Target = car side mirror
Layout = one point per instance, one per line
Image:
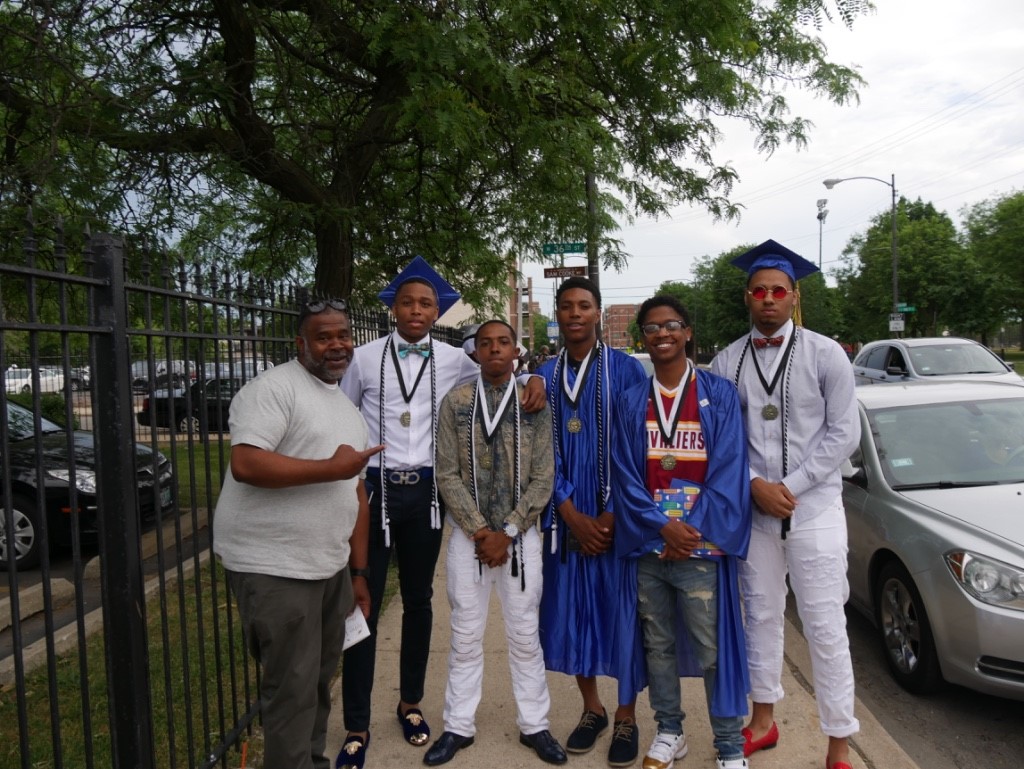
(855, 474)
(895, 371)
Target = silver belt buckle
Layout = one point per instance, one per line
(404, 477)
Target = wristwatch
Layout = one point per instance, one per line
(356, 572)
(511, 530)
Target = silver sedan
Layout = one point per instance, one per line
(934, 501)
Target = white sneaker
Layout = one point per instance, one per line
(665, 749)
(732, 763)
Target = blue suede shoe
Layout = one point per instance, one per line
(414, 726)
(353, 753)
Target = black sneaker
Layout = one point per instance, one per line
(591, 726)
(625, 743)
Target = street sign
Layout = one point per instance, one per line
(906, 307)
(896, 321)
(552, 331)
(565, 272)
(564, 248)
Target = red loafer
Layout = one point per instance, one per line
(769, 741)
(837, 765)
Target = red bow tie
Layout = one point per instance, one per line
(768, 341)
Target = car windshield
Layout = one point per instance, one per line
(951, 359)
(21, 426)
(941, 445)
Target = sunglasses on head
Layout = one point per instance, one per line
(760, 293)
(322, 304)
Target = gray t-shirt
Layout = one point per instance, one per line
(300, 532)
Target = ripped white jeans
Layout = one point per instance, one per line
(814, 556)
(469, 594)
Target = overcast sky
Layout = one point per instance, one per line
(943, 110)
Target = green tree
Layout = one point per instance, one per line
(539, 338)
(995, 238)
(936, 276)
(367, 131)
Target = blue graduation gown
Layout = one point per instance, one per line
(722, 513)
(588, 615)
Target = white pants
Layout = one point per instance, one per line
(469, 595)
(814, 556)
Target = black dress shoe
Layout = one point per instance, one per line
(445, 748)
(546, 747)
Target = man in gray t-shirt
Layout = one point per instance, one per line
(291, 530)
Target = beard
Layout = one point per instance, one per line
(330, 368)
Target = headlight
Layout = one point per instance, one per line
(988, 580)
(85, 480)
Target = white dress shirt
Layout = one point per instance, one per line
(407, 447)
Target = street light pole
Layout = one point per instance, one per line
(822, 213)
(830, 183)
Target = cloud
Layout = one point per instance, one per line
(941, 111)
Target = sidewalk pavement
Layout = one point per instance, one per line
(801, 746)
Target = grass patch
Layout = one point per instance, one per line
(198, 467)
(195, 682)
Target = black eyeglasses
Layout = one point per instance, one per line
(760, 293)
(650, 329)
(322, 304)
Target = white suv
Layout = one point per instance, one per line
(930, 358)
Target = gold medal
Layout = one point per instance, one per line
(668, 462)
(405, 419)
(771, 411)
(485, 461)
(575, 425)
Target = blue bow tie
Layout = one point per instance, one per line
(423, 348)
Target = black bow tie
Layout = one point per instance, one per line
(768, 341)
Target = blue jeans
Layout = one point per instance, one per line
(693, 586)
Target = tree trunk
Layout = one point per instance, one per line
(334, 257)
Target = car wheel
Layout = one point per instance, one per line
(906, 634)
(189, 425)
(25, 537)
(75, 385)
(26, 388)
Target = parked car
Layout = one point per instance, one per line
(934, 501)
(900, 360)
(19, 380)
(80, 378)
(645, 361)
(187, 410)
(153, 476)
(174, 374)
(245, 369)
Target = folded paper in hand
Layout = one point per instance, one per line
(356, 628)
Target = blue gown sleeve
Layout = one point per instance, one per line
(563, 488)
(722, 511)
(637, 518)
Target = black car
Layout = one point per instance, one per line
(79, 378)
(174, 374)
(154, 480)
(204, 405)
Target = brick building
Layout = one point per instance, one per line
(615, 325)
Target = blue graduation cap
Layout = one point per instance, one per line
(773, 256)
(419, 269)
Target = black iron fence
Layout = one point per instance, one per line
(119, 645)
